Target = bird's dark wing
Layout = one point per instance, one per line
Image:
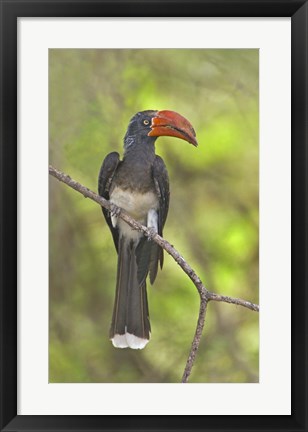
(161, 181)
(108, 168)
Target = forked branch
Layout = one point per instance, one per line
(205, 295)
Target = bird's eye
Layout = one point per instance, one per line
(146, 122)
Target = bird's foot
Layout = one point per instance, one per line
(152, 233)
(114, 213)
(114, 210)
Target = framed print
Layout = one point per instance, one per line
(77, 78)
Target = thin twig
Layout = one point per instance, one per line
(205, 295)
(236, 301)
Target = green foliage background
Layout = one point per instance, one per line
(213, 217)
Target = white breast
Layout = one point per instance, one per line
(136, 204)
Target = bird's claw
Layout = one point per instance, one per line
(114, 210)
(151, 233)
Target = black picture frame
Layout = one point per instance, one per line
(10, 11)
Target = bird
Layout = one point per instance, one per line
(138, 184)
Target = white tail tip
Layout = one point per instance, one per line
(129, 340)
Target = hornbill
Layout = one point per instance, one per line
(138, 184)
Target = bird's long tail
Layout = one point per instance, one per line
(130, 326)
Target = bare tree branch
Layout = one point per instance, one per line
(205, 295)
(236, 301)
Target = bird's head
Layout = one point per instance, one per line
(153, 124)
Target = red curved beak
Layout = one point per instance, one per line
(170, 123)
